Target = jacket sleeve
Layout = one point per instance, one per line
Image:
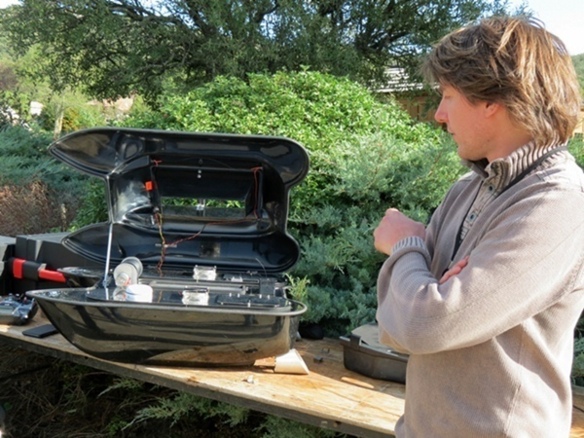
(526, 260)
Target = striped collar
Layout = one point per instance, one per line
(500, 172)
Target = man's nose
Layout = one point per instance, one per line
(440, 114)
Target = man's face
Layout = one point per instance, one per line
(466, 122)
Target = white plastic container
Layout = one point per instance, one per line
(128, 272)
(139, 293)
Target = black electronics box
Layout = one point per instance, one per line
(364, 354)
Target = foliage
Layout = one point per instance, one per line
(579, 66)
(93, 208)
(25, 79)
(73, 109)
(182, 404)
(576, 147)
(178, 406)
(25, 158)
(578, 365)
(33, 208)
(365, 157)
(45, 397)
(116, 47)
(23, 85)
(39, 193)
(338, 257)
(277, 427)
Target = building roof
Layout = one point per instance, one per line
(399, 82)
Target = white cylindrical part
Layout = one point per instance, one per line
(139, 292)
(128, 272)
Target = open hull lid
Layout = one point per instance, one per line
(214, 199)
(104, 151)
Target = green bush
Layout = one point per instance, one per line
(25, 158)
(41, 193)
(24, 155)
(93, 208)
(576, 147)
(76, 112)
(366, 156)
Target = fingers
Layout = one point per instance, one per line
(454, 270)
(449, 274)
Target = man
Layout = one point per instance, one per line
(485, 299)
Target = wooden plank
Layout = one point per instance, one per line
(330, 397)
(577, 424)
(577, 413)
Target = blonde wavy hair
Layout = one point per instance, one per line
(516, 62)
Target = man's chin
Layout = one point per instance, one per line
(463, 154)
(467, 157)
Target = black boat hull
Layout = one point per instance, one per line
(170, 335)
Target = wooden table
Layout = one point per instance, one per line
(330, 396)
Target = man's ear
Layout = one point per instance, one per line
(492, 108)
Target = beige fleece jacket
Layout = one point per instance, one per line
(491, 349)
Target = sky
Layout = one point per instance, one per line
(564, 18)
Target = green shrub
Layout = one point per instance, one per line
(40, 193)
(278, 427)
(576, 147)
(76, 112)
(366, 156)
(93, 208)
(24, 155)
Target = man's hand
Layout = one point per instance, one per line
(455, 270)
(394, 227)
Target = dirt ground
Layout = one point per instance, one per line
(44, 397)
